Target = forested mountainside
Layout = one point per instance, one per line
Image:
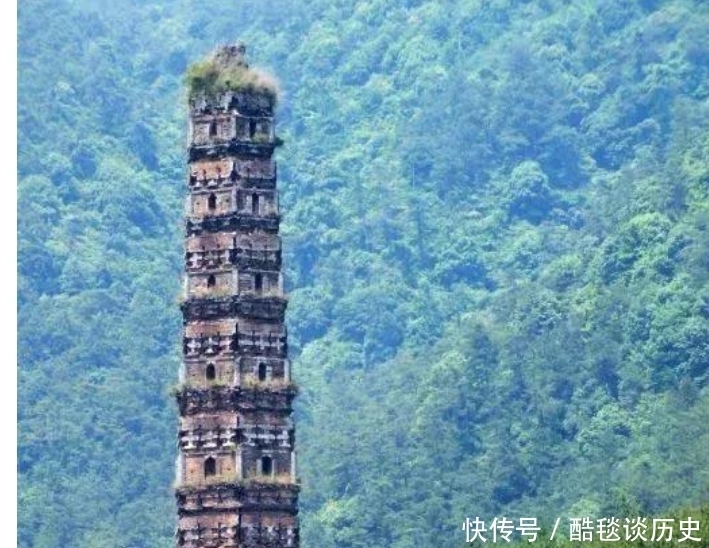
(496, 226)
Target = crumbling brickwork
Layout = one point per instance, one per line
(236, 483)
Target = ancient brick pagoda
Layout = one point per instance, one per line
(236, 480)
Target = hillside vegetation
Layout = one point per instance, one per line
(496, 227)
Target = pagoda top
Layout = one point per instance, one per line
(225, 71)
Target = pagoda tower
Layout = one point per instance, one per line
(236, 483)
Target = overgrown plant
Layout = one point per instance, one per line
(226, 70)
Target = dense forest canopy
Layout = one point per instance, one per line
(496, 227)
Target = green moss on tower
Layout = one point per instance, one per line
(226, 70)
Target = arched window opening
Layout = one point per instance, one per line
(210, 467)
(252, 128)
(212, 202)
(211, 281)
(213, 128)
(211, 372)
(258, 282)
(255, 204)
(262, 371)
(267, 466)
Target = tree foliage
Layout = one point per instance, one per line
(496, 219)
